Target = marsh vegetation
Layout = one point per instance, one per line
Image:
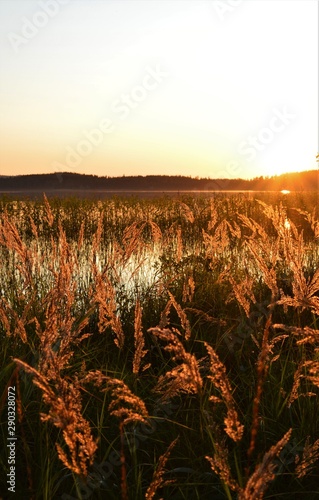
(163, 348)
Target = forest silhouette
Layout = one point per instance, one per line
(297, 181)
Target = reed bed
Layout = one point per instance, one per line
(164, 348)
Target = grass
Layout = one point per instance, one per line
(163, 348)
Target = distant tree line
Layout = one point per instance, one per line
(301, 181)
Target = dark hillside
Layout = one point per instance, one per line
(301, 181)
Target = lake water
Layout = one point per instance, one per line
(104, 194)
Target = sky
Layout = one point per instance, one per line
(219, 89)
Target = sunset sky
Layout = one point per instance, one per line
(203, 88)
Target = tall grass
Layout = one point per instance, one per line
(162, 348)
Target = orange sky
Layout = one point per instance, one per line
(200, 88)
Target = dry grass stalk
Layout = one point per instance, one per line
(312, 219)
(307, 335)
(58, 332)
(304, 291)
(108, 317)
(188, 289)
(132, 239)
(233, 427)
(293, 248)
(233, 228)
(97, 237)
(294, 394)
(179, 244)
(243, 292)
(256, 229)
(139, 342)
(34, 228)
(48, 212)
(81, 236)
(264, 472)
(158, 480)
(313, 368)
(14, 323)
(276, 214)
(264, 249)
(268, 271)
(185, 378)
(57, 340)
(182, 316)
(310, 456)
(156, 231)
(165, 319)
(219, 464)
(10, 237)
(205, 317)
(125, 405)
(61, 330)
(272, 343)
(262, 370)
(65, 412)
(308, 369)
(213, 215)
(12, 241)
(299, 376)
(216, 244)
(187, 212)
(180, 380)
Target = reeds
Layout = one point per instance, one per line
(158, 481)
(139, 342)
(185, 377)
(233, 428)
(124, 405)
(78, 320)
(65, 413)
(264, 472)
(310, 456)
